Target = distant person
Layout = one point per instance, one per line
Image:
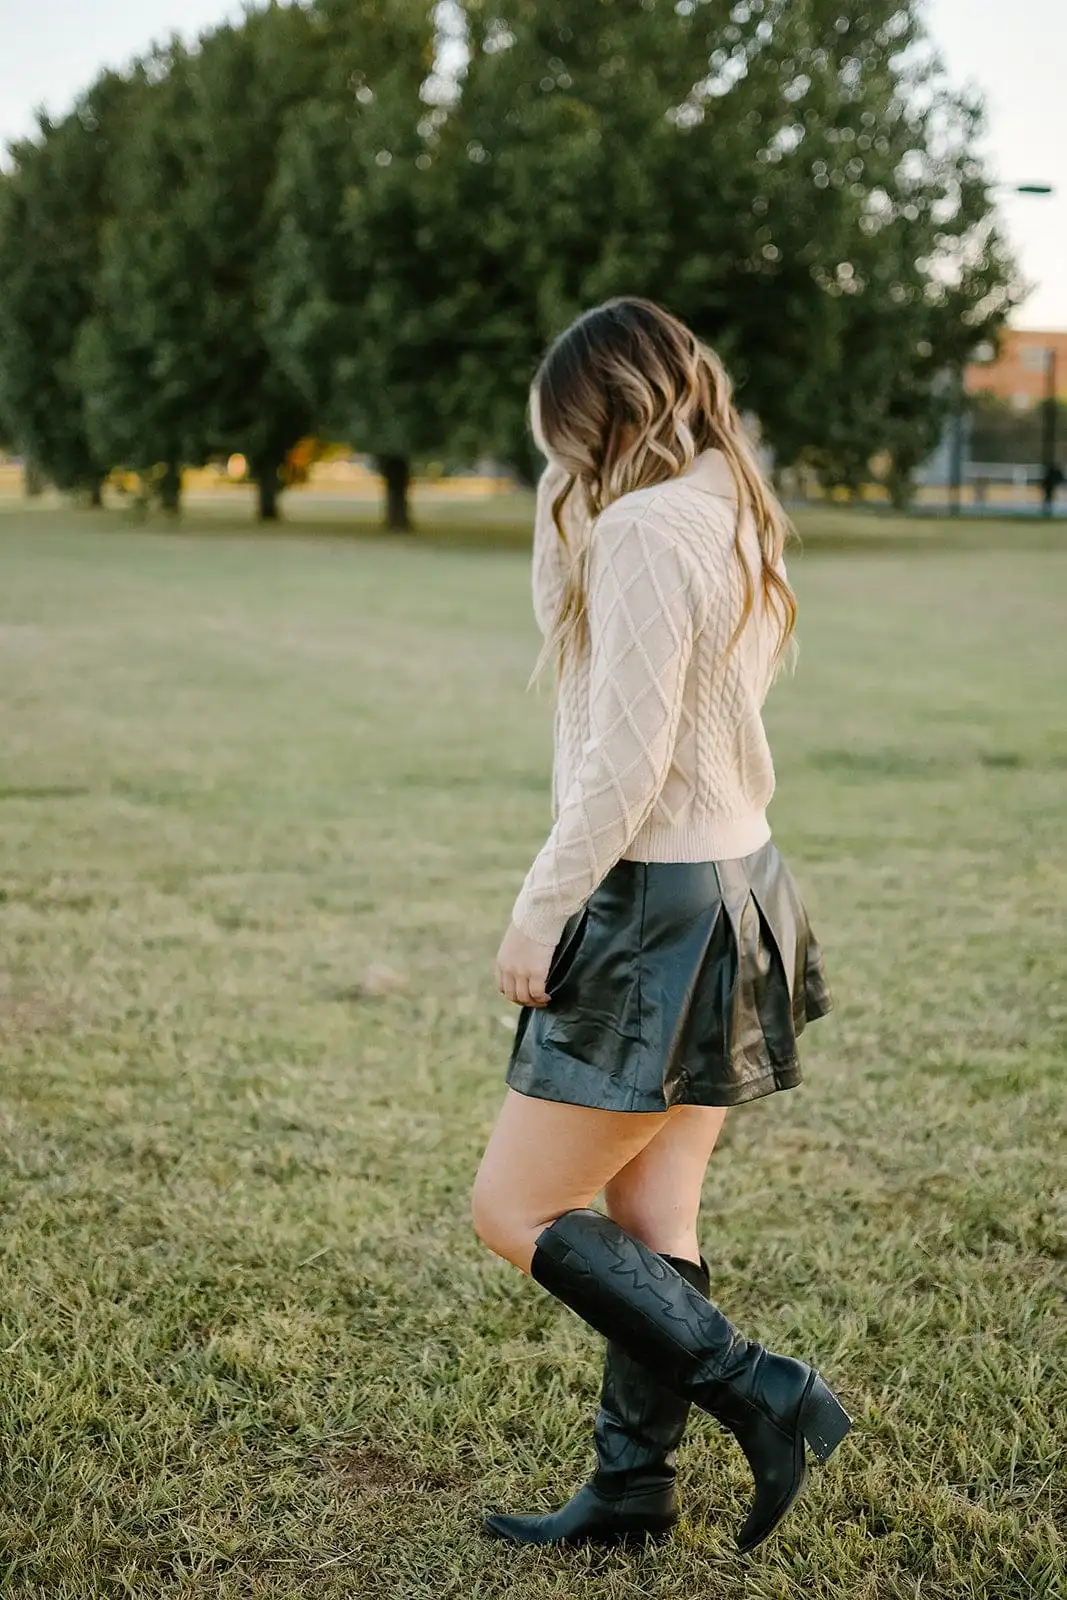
(659, 948)
(1051, 482)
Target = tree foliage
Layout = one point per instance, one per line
(177, 363)
(355, 318)
(54, 204)
(368, 220)
(795, 180)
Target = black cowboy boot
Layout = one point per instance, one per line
(770, 1403)
(638, 1430)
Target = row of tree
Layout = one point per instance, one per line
(363, 219)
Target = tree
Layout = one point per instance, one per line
(136, 413)
(592, 153)
(53, 207)
(177, 363)
(794, 179)
(927, 276)
(323, 219)
(355, 319)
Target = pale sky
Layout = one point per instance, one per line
(1017, 54)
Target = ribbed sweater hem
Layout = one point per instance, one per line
(711, 839)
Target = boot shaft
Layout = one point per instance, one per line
(637, 1298)
(640, 1423)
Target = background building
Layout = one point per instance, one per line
(1020, 372)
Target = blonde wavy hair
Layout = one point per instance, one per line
(626, 398)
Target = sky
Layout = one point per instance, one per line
(1016, 55)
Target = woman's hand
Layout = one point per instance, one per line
(522, 968)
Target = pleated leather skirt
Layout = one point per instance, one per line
(680, 983)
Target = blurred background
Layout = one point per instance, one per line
(272, 287)
(312, 246)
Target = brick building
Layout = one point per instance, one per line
(1019, 373)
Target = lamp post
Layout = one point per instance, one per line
(955, 457)
(1051, 476)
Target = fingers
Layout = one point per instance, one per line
(521, 988)
(537, 990)
(505, 982)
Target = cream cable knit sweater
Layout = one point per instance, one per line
(660, 749)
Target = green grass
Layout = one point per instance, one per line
(248, 1345)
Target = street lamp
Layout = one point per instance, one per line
(1051, 476)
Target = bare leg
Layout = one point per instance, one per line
(656, 1196)
(545, 1158)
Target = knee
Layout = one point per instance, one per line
(501, 1225)
(485, 1217)
(492, 1220)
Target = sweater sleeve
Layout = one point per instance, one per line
(642, 620)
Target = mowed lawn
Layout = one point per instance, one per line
(249, 1346)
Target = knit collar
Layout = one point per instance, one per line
(711, 472)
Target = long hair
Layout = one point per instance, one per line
(626, 398)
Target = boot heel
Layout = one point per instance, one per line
(823, 1419)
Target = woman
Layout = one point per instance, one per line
(658, 948)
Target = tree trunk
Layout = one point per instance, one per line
(396, 470)
(32, 479)
(900, 486)
(266, 476)
(170, 488)
(96, 495)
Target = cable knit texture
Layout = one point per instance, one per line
(660, 749)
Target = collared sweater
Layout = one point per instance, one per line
(660, 750)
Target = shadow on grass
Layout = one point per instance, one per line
(888, 763)
(54, 791)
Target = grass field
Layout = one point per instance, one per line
(248, 1345)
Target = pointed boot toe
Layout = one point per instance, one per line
(589, 1518)
(516, 1529)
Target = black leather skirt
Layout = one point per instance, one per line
(680, 983)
